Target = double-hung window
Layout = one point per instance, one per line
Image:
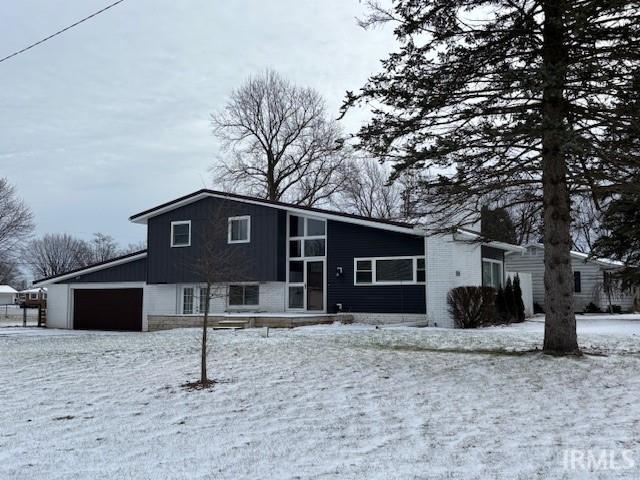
(181, 233)
(389, 270)
(244, 295)
(239, 229)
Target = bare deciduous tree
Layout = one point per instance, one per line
(16, 220)
(281, 141)
(367, 192)
(100, 248)
(54, 254)
(9, 271)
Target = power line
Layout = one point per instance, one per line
(61, 31)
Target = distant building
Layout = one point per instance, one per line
(7, 295)
(588, 277)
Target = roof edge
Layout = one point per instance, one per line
(203, 193)
(130, 257)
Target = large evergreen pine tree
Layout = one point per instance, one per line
(505, 102)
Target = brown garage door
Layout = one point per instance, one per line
(108, 309)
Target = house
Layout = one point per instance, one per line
(295, 262)
(588, 276)
(7, 295)
(32, 297)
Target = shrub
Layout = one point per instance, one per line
(471, 307)
(517, 292)
(501, 314)
(592, 308)
(537, 308)
(616, 309)
(510, 301)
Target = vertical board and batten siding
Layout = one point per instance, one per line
(262, 259)
(133, 271)
(591, 275)
(346, 241)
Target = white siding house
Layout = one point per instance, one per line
(588, 277)
(7, 295)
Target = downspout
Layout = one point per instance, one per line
(426, 275)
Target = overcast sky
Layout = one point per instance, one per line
(112, 117)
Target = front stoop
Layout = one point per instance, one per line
(167, 322)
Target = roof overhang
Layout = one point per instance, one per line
(603, 262)
(143, 217)
(468, 236)
(90, 269)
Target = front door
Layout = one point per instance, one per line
(315, 285)
(306, 285)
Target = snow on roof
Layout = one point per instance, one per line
(34, 290)
(605, 262)
(7, 289)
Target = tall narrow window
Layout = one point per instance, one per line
(577, 282)
(181, 233)
(239, 229)
(187, 300)
(492, 274)
(203, 300)
(420, 270)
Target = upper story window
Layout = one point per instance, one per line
(239, 229)
(577, 282)
(181, 233)
(307, 237)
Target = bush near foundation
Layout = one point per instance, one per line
(471, 307)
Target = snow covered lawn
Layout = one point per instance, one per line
(318, 402)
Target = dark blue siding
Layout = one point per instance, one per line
(346, 241)
(260, 260)
(493, 253)
(134, 271)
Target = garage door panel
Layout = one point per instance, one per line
(108, 309)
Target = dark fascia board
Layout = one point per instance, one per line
(192, 197)
(92, 268)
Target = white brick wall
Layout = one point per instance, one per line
(449, 264)
(168, 299)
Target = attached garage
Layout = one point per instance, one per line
(108, 309)
(105, 296)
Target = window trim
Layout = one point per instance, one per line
(180, 222)
(193, 300)
(375, 282)
(244, 295)
(229, 224)
(499, 262)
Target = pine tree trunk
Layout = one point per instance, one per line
(203, 360)
(560, 322)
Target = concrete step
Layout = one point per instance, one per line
(231, 324)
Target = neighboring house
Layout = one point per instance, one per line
(297, 261)
(7, 295)
(588, 276)
(33, 297)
